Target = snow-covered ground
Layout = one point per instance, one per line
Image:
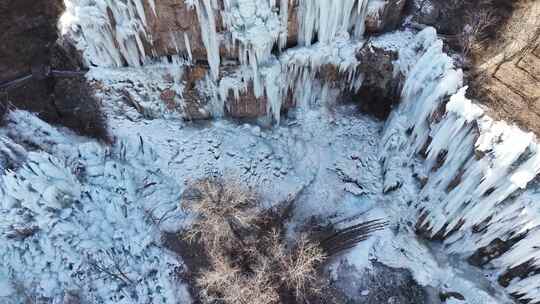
(96, 212)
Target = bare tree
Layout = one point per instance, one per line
(250, 258)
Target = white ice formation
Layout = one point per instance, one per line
(477, 177)
(117, 33)
(478, 174)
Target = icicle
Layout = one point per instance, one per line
(153, 6)
(327, 18)
(284, 14)
(188, 47)
(140, 11)
(175, 43)
(90, 25)
(273, 84)
(205, 13)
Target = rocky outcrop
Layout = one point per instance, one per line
(380, 89)
(29, 41)
(446, 16)
(384, 15)
(171, 26)
(194, 102)
(28, 31)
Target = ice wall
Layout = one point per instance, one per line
(477, 174)
(255, 28)
(253, 34)
(325, 19)
(81, 221)
(111, 33)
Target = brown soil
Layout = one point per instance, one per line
(506, 73)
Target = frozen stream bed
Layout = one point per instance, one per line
(104, 207)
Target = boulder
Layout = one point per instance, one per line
(380, 90)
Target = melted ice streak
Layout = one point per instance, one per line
(478, 170)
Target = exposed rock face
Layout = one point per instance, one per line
(30, 40)
(176, 23)
(380, 90)
(446, 16)
(194, 102)
(28, 33)
(247, 105)
(28, 30)
(384, 15)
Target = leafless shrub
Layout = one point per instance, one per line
(222, 211)
(300, 267)
(249, 256)
(479, 23)
(229, 284)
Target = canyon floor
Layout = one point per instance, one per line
(84, 219)
(326, 157)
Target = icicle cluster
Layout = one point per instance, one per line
(80, 221)
(111, 33)
(477, 171)
(325, 19)
(116, 33)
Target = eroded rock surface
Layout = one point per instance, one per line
(380, 90)
(30, 42)
(384, 15)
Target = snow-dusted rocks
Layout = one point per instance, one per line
(75, 222)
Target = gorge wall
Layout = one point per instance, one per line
(237, 58)
(479, 177)
(238, 51)
(257, 59)
(30, 36)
